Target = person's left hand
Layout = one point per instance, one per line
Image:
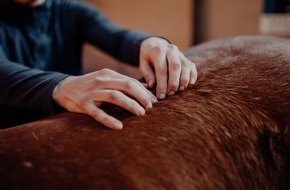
(164, 66)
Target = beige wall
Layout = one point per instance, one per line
(224, 18)
(172, 19)
(169, 18)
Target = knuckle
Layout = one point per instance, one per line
(146, 98)
(157, 49)
(97, 80)
(184, 81)
(185, 63)
(173, 86)
(105, 71)
(175, 65)
(129, 85)
(114, 95)
(172, 46)
(161, 69)
(163, 72)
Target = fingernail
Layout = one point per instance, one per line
(154, 100)
(162, 96)
(192, 81)
(118, 125)
(150, 84)
(145, 85)
(149, 105)
(171, 93)
(141, 111)
(181, 88)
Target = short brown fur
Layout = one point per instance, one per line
(228, 131)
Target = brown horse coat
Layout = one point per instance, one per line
(228, 131)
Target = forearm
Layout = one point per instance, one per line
(116, 41)
(26, 88)
(122, 44)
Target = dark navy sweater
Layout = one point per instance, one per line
(41, 46)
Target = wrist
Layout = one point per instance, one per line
(57, 91)
(155, 40)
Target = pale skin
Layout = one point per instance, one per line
(162, 65)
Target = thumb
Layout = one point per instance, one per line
(148, 73)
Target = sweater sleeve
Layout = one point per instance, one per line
(27, 88)
(96, 29)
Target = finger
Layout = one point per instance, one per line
(118, 98)
(102, 117)
(133, 89)
(120, 76)
(92, 110)
(148, 73)
(185, 73)
(161, 75)
(174, 69)
(193, 73)
(145, 85)
(152, 96)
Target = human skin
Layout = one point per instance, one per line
(162, 65)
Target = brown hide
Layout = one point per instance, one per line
(228, 131)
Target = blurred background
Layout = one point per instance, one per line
(184, 22)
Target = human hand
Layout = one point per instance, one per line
(165, 67)
(86, 93)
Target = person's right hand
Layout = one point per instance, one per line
(85, 94)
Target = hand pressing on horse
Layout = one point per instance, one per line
(86, 93)
(165, 67)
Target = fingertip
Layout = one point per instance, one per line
(171, 93)
(154, 99)
(150, 105)
(117, 125)
(181, 88)
(194, 73)
(145, 85)
(151, 83)
(161, 90)
(138, 110)
(161, 96)
(193, 77)
(105, 119)
(148, 73)
(192, 80)
(141, 111)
